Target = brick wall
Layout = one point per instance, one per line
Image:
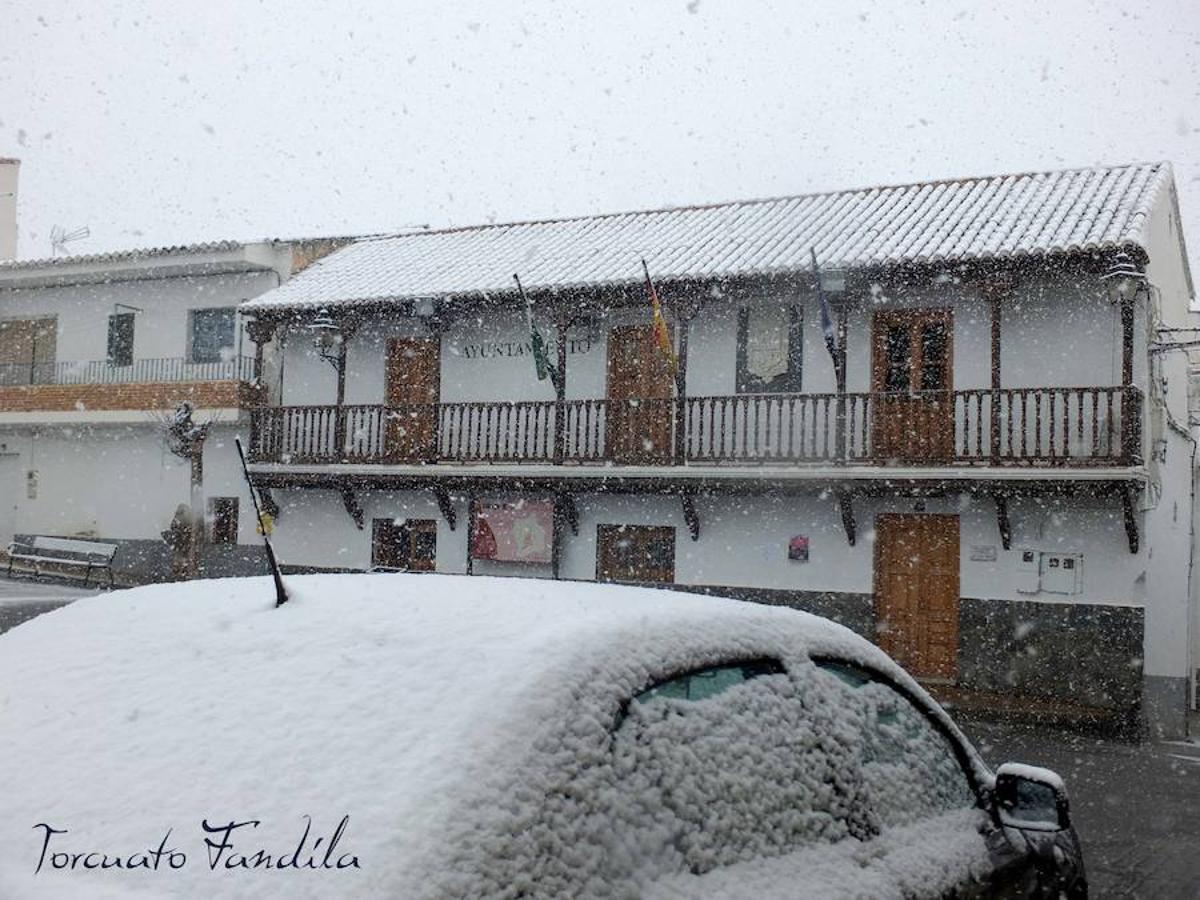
(151, 395)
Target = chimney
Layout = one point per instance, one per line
(8, 207)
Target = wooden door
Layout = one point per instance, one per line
(413, 386)
(916, 592)
(913, 382)
(640, 404)
(643, 554)
(409, 546)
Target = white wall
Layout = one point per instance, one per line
(1173, 616)
(1056, 332)
(109, 482)
(160, 329)
(743, 540)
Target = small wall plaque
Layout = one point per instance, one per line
(983, 553)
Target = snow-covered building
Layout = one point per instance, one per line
(94, 352)
(936, 413)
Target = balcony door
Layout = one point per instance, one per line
(640, 408)
(913, 382)
(916, 592)
(412, 389)
(27, 350)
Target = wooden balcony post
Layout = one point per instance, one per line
(996, 289)
(260, 331)
(684, 315)
(995, 301)
(348, 327)
(561, 321)
(840, 375)
(1130, 398)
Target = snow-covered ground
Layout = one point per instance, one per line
(27, 590)
(21, 599)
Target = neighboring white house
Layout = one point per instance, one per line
(94, 352)
(9, 169)
(998, 492)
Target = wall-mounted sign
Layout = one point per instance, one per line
(798, 548)
(514, 531)
(983, 553)
(513, 349)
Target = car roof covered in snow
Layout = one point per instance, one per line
(386, 698)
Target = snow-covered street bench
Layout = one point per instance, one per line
(92, 556)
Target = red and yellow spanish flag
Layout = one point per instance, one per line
(662, 337)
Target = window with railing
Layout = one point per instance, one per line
(120, 339)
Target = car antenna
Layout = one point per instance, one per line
(281, 594)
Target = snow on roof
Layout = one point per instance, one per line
(1006, 217)
(143, 254)
(388, 698)
(132, 255)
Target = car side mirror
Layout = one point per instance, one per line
(1031, 798)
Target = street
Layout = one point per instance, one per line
(1136, 807)
(22, 599)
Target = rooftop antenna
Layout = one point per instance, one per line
(281, 595)
(60, 237)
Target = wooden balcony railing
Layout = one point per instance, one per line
(1089, 426)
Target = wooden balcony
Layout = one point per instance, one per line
(1088, 426)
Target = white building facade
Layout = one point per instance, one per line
(998, 489)
(95, 351)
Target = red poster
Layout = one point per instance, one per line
(517, 531)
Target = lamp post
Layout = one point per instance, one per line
(1123, 281)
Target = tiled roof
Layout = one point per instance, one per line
(1007, 217)
(86, 259)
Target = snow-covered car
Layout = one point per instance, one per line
(419, 736)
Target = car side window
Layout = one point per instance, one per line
(909, 766)
(704, 683)
(729, 763)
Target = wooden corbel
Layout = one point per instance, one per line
(1002, 521)
(690, 516)
(350, 501)
(269, 504)
(846, 504)
(1129, 506)
(564, 506)
(445, 506)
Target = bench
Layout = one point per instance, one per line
(90, 555)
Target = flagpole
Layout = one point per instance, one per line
(662, 336)
(541, 362)
(835, 343)
(557, 372)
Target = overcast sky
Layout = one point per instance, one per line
(157, 123)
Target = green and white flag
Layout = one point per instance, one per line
(541, 362)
